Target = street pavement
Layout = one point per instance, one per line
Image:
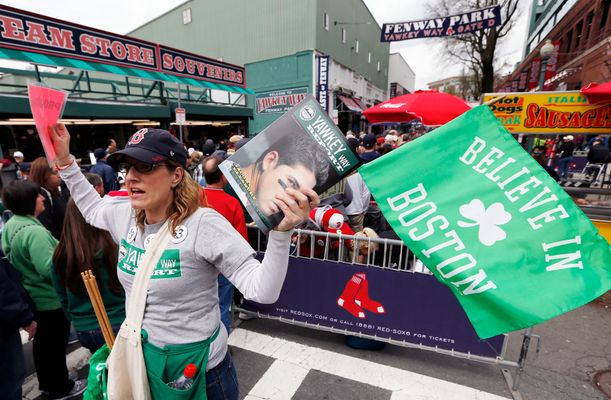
(275, 360)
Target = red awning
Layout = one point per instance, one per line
(360, 103)
(597, 94)
(350, 103)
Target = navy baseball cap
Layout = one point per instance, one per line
(152, 146)
(369, 140)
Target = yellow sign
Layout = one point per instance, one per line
(604, 227)
(551, 112)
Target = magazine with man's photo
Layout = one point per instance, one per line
(303, 148)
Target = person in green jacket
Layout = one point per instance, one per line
(82, 247)
(29, 247)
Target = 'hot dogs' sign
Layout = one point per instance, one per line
(25, 31)
(550, 112)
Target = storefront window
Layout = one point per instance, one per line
(343, 35)
(325, 21)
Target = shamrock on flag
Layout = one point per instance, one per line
(488, 220)
(490, 223)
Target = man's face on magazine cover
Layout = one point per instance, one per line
(275, 178)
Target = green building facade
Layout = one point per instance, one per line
(280, 42)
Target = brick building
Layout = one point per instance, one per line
(581, 32)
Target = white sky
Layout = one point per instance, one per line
(425, 56)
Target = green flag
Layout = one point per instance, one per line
(490, 223)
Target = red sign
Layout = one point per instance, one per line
(47, 106)
(181, 116)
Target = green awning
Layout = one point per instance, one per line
(54, 61)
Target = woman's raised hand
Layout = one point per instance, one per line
(61, 143)
(296, 206)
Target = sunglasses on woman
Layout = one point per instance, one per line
(141, 167)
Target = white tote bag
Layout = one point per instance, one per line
(127, 378)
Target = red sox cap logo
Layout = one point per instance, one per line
(138, 136)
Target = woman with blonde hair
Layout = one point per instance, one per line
(182, 313)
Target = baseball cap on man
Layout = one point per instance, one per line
(369, 140)
(152, 146)
(18, 154)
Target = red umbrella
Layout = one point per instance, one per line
(429, 106)
(597, 94)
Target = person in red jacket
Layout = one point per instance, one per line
(230, 208)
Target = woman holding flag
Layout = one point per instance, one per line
(181, 324)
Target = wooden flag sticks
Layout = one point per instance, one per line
(98, 307)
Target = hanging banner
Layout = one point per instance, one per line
(459, 24)
(491, 224)
(550, 67)
(279, 101)
(514, 85)
(551, 113)
(523, 81)
(535, 71)
(25, 31)
(323, 82)
(390, 304)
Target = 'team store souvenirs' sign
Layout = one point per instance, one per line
(550, 112)
(24, 31)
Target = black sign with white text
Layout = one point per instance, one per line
(323, 82)
(443, 26)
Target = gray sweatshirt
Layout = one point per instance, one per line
(182, 302)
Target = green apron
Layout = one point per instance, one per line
(164, 365)
(96, 380)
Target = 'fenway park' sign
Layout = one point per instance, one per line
(460, 24)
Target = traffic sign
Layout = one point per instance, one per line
(181, 116)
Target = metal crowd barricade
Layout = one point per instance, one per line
(383, 253)
(377, 249)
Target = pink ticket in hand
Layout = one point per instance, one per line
(47, 107)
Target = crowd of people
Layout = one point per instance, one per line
(557, 155)
(62, 219)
